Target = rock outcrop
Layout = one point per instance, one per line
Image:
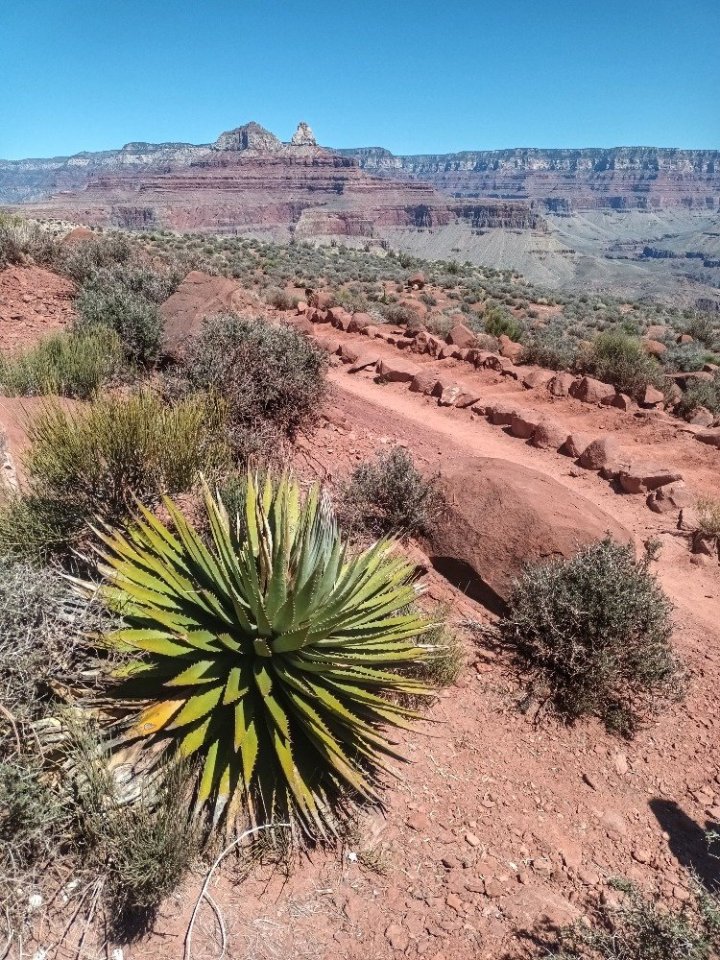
(500, 516)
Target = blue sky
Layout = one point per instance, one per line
(422, 76)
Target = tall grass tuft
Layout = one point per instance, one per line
(92, 463)
(67, 364)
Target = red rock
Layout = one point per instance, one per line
(198, 297)
(363, 361)
(702, 417)
(302, 307)
(685, 338)
(501, 516)
(711, 437)
(398, 370)
(340, 318)
(329, 344)
(599, 453)
(590, 390)
(549, 435)
(501, 415)
(561, 384)
(537, 378)
(321, 299)
(358, 322)
(417, 280)
(397, 937)
(652, 397)
(509, 348)
(672, 496)
(641, 477)
(524, 424)
(576, 444)
(654, 348)
(619, 400)
(424, 382)
(349, 353)
(78, 235)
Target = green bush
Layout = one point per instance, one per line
(68, 364)
(595, 632)
(620, 359)
(91, 463)
(700, 393)
(642, 928)
(280, 299)
(498, 321)
(551, 348)
(270, 660)
(108, 302)
(22, 240)
(81, 259)
(390, 496)
(271, 378)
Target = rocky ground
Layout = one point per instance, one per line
(504, 824)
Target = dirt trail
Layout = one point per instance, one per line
(443, 435)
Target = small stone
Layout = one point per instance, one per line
(494, 887)
(471, 839)
(454, 902)
(397, 937)
(621, 763)
(681, 894)
(589, 877)
(641, 854)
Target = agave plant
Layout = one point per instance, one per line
(273, 658)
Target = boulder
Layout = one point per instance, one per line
(358, 322)
(652, 397)
(339, 318)
(77, 235)
(424, 382)
(448, 396)
(397, 370)
(620, 401)
(509, 348)
(499, 516)
(349, 353)
(198, 297)
(416, 281)
(672, 496)
(640, 477)
(371, 331)
(524, 424)
(711, 437)
(590, 390)
(537, 378)
(561, 384)
(576, 444)
(329, 344)
(701, 417)
(599, 453)
(501, 415)
(364, 361)
(685, 338)
(321, 299)
(654, 348)
(549, 435)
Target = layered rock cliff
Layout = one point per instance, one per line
(557, 181)
(249, 180)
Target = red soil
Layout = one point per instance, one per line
(33, 303)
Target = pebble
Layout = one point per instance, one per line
(472, 840)
(641, 855)
(397, 937)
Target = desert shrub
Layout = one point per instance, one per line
(271, 378)
(551, 348)
(68, 364)
(619, 358)
(444, 662)
(93, 462)
(595, 631)
(700, 393)
(281, 299)
(641, 928)
(687, 357)
(22, 240)
(498, 321)
(705, 329)
(708, 513)
(293, 641)
(82, 259)
(389, 495)
(108, 302)
(399, 315)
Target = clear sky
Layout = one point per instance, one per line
(412, 75)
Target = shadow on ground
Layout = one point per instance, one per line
(688, 841)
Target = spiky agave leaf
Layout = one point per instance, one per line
(273, 661)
